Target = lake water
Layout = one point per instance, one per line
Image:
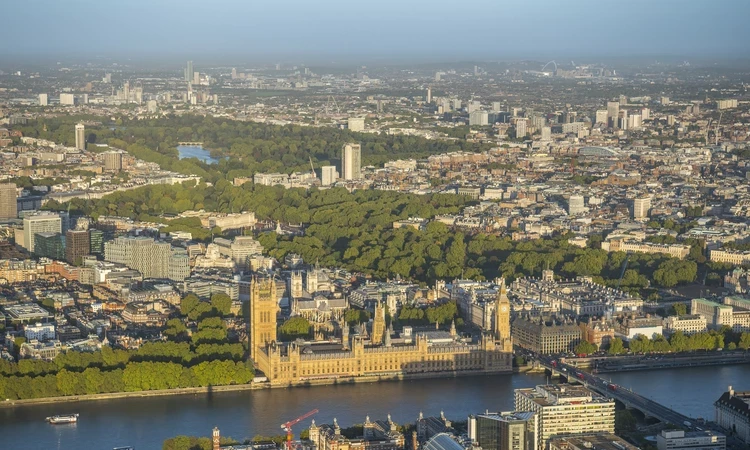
(146, 422)
(191, 151)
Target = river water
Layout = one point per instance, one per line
(145, 423)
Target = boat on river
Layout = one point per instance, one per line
(61, 419)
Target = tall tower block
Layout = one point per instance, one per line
(264, 307)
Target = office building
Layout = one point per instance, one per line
(39, 223)
(726, 104)
(39, 332)
(428, 97)
(67, 99)
(599, 441)
(8, 201)
(43, 100)
(503, 431)
(96, 242)
(601, 116)
(80, 137)
(623, 120)
(479, 118)
(328, 175)
(566, 409)
(351, 162)
(112, 161)
(546, 133)
(153, 259)
(613, 113)
(576, 205)
(189, 72)
(77, 245)
(641, 207)
(520, 128)
(356, 124)
(697, 440)
(49, 245)
(545, 335)
(733, 413)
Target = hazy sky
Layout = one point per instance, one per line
(380, 28)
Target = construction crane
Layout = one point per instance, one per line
(716, 132)
(288, 427)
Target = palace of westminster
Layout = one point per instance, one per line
(367, 356)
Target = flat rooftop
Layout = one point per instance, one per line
(560, 394)
(26, 312)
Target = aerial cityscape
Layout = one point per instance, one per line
(392, 228)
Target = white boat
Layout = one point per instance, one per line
(65, 418)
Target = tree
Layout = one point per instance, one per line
(188, 303)
(616, 347)
(680, 309)
(624, 421)
(222, 303)
(584, 348)
(744, 343)
(295, 327)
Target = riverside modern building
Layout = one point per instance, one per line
(733, 413)
(698, 440)
(565, 410)
(504, 431)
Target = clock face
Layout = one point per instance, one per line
(504, 309)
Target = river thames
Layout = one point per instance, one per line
(145, 423)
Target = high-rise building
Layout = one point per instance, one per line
(80, 137)
(49, 245)
(151, 258)
(112, 161)
(428, 98)
(623, 120)
(504, 431)
(8, 201)
(356, 124)
(264, 307)
(77, 245)
(613, 113)
(196, 78)
(39, 223)
(479, 118)
(67, 99)
(189, 72)
(566, 409)
(641, 207)
(546, 133)
(601, 116)
(96, 242)
(328, 175)
(43, 100)
(520, 128)
(497, 107)
(351, 162)
(576, 205)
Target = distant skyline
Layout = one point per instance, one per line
(384, 29)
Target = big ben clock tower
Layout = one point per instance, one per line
(216, 439)
(502, 318)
